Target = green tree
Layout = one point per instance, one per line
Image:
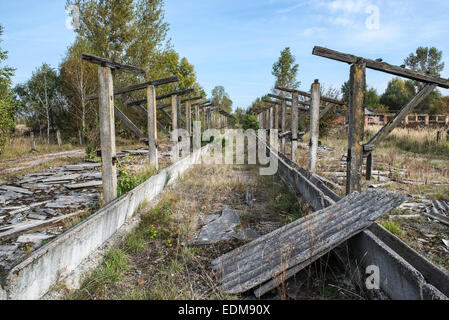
(397, 94)
(428, 61)
(41, 99)
(7, 103)
(372, 99)
(78, 79)
(221, 99)
(285, 70)
(129, 31)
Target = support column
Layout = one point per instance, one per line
(276, 116)
(283, 125)
(174, 113)
(58, 138)
(369, 166)
(152, 130)
(314, 125)
(32, 141)
(107, 134)
(295, 114)
(178, 111)
(189, 117)
(356, 127)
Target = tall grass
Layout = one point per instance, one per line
(20, 146)
(416, 140)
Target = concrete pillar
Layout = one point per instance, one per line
(356, 127)
(152, 129)
(314, 125)
(107, 134)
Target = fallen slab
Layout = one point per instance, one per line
(288, 250)
(90, 184)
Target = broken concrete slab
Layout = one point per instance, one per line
(35, 238)
(16, 189)
(37, 216)
(91, 184)
(290, 249)
(82, 166)
(219, 228)
(64, 177)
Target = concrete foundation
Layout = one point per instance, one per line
(50, 264)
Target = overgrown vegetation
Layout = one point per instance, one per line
(129, 179)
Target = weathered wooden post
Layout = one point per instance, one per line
(208, 118)
(152, 130)
(438, 136)
(276, 117)
(174, 112)
(58, 138)
(32, 141)
(314, 125)
(356, 127)
(80, 135)
(178, 111)
(283, 125)
(107, 134)
(189, 117)
(295, 114)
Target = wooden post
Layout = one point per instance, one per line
(32, 141)
(369, 166)
(295, 114)
(58, 137)
(189, 117)
(438, 136)
(314, 125)
(356, 127)
(152, 132)
(107, 134)
(283, 125)
(276, 116)
(80, 134)
(174, 112)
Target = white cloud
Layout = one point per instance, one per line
(342, 21)
(312, 31)
(348, 6)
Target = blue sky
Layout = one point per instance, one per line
(235, 43)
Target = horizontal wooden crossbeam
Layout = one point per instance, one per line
(111, 64)
(165, 96)
(139, 86)
(308, 95)
(381, 66)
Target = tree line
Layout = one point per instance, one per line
(132, 32)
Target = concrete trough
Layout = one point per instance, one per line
(44, 268)
(405, 274)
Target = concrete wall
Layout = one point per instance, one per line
(405, 274)
(32, 278)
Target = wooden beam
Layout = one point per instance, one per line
(295, 124)
(152, 132)
(307, 95)
(165, 96)
(381, 66)
(397, 120)
(189, 117)
(314, 125)
(174, 112)
(139, 86)
(356, 127)
(131, 126)
(111, 64)
(107, 134)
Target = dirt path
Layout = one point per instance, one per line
(15, 165)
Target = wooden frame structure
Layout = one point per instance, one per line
(356, 149)
(107, 110)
